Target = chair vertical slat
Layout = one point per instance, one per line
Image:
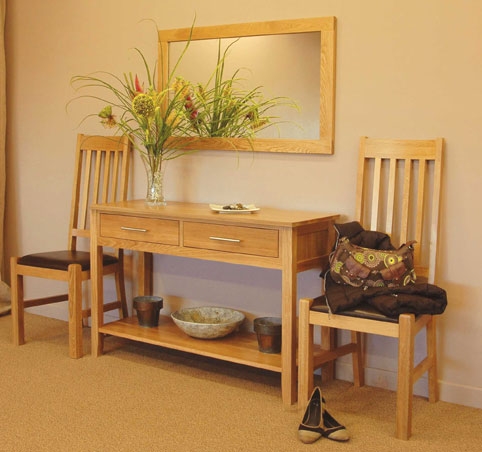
(74, 211)
(84, 207)
(437, 175)
(392, 174)
(115, 177)
(377, 174)
(124, 174)
(360, 201)
(107, 170)
(422, 169)
(405, 200)
(97, 176)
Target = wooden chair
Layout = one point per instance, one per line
(398, 192)
(101, 175)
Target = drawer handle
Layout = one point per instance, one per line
(224, 239)
(126, 228)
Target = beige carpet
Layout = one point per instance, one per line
(139, 398)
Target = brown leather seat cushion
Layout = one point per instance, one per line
(364, 311)
(60, 260)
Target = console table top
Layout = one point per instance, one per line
(200, 211)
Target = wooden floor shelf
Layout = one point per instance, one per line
(239, 347)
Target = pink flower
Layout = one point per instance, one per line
(189, 106)
(138, 86)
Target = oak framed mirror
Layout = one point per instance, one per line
(304, 47)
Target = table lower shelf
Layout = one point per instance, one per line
(239, 347)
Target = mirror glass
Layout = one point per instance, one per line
(293, 59)
(273, 63)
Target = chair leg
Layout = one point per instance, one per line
(406, 342)
(357, 359)
(328, 343)
(433, 394)
(305, 353)
(75, 311)
(17, 308)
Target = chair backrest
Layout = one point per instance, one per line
(398, 192)
(101, 175)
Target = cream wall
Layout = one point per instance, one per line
(407, 69)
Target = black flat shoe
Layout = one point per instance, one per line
(311, 427)
(332, 429)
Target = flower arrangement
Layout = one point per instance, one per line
(148, 115)
(158, 118)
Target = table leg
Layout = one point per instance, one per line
(96, 275)
(144, 274)
(288, 318)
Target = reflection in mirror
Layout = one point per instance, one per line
(292, 58)
(279, 73)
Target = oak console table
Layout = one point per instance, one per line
(290, 241)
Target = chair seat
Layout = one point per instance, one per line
(60, 260)
(363, 310)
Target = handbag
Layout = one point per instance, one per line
(365, 267)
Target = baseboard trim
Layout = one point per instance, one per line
(449, 392)
(59, 311)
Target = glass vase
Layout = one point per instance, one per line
(155, 182)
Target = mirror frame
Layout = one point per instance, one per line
(326, 26)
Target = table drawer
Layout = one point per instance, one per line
(152, 230)
(232, 239)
